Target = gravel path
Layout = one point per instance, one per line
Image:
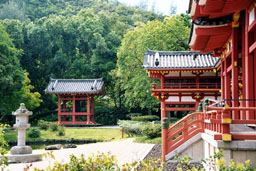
(156, 153)
(126, 151)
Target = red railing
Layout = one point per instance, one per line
(214, 120)
(219, 116)
(187, 86)
(184, 129)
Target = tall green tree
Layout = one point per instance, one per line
(15, 87)
(132, 80)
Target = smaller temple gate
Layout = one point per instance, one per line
(75, 99)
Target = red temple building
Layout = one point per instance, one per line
(185, 78)
(75, 99)
(227, 29)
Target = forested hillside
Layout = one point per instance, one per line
(81, 39)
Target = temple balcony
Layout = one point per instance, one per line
(186, 87)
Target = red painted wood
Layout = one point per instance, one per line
(59, 109)
(243, 136)
(249, 89)
(252, 47)
(164, 131)
(235, 71)
(181, 109)
(186, 86)
(88, 109)
(74, 110)
(243, 104)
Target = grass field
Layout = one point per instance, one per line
(76, 133)
(144, 139)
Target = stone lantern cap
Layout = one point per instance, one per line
(22, 111)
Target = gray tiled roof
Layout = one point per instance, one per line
(81, 86)
(178, 60)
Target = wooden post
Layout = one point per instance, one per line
(74, 110)
(226, 121)
(243, 113)
(164, 130)
(249, 89)
(234, 61)
(197, 81)
(88, 110)
(59, 109)
(222, 79)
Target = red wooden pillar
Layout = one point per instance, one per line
(222, 80)
(197, 81)
(227, 83)
(59, 109)
(164, 131)
(248, 72)
(243, 104)
(234, 61)
(226, 120)
(88, 109)
(74, 110)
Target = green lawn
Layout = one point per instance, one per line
(144, 139)
(76, 133)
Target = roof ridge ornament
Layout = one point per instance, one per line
(157, 58)
(55, 84)
(94, 85)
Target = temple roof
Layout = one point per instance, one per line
(215, 8)
(178, 60)
(75, 86)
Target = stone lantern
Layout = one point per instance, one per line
(21, 152)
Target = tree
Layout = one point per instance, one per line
(13, 10)
(14, 82)
(132, 79)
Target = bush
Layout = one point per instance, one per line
(54, 126)
(130, 115)
(152, 130)
(132, 127)
(146, 118)
(34, 133)
(101, 162)
(61, 130)
(43, 124)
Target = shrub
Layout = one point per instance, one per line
(61, 130)
(54, 126)
(152, 130)
(130, 115)
(34, 133)
(43, 124)
(146, 118)
(132, 127)
(101, 162)
(3, 147)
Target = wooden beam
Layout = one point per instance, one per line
(181, 109)
(252, 47)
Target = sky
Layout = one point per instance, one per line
(162, 6)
